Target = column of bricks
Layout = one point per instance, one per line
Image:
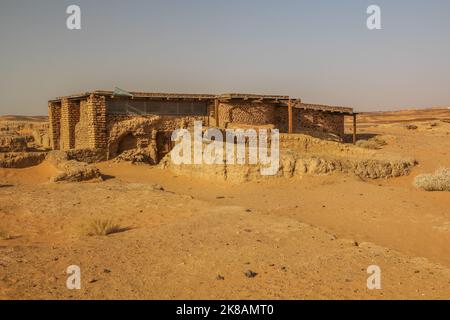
(70, 115)
(54, 119)
(96, 118)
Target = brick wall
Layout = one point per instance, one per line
(82, 128)
(304, 120)
(96, 122)
(247, 113)
(70, 115)
(78, 124)
(54, 119)
(327, 122)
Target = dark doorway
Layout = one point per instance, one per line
(128, 142)
(164, 143)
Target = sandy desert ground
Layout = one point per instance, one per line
(309, 238)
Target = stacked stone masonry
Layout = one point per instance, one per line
(83, 121)
(54, 115)
(70, 115)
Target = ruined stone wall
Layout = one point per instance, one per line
(143, 130)
(54, 119)
(246, 113)
(13, 143)
(70, 115)
(165, 123)
(41, 137)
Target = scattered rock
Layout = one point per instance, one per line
(158, 187)
(136, 156)
(250, 274)
(220, 277)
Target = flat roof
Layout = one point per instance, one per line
(321, 107)
(247, 96)
(283, 100)
(160, 95)
(138, 95)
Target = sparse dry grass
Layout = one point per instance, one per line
(439, 181)
(104, 227)
(374, 143)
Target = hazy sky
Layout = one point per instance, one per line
(320, 51)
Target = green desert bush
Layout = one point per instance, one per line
(438, 181)
(103, 227)
(373, 143)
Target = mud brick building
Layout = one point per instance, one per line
(116, 122)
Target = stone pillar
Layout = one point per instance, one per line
(96, 119)
(290, 120)
(70, 115)
(54, 120)
(216, 112)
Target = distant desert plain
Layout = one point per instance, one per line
(174, 236)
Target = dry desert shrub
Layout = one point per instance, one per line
(439, 181)
(103, 227)
(5, 235)
(374, 143)
(411, 127)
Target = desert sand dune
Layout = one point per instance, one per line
(184, 238)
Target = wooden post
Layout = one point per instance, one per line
(290, 116)
(216, 112)
(354, 128)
